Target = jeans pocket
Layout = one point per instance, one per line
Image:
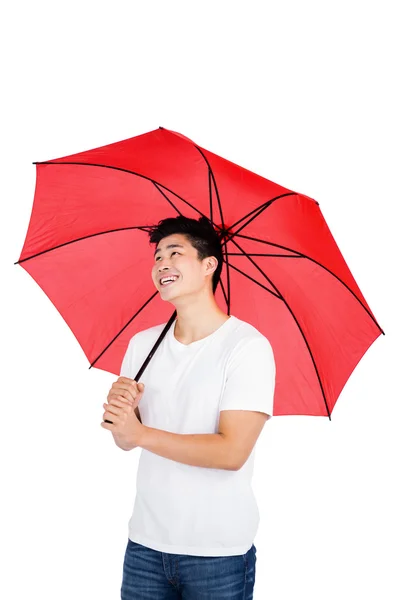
(246, 557)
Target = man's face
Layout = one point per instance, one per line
(175, 256)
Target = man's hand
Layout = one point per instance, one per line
(123, 397)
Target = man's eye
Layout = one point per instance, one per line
(174, 252)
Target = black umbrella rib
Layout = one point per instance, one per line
(259, 209)
(142, 228)
(210, 192)
(85, 237)
(223, 290)
(301, 255)
(212, 176)
(124, 327)
(156, 183)
(295, 319)
(223, 248)
(166, 197)
(263, 254)
(255, 281)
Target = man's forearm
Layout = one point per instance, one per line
(210, 450)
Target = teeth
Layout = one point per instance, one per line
(166, 279)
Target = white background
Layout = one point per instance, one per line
(305, 94)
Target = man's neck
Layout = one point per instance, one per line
(195, 323)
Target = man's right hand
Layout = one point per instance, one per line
(127, 390)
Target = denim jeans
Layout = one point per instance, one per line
(152, 575)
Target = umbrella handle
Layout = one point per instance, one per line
(158, 342)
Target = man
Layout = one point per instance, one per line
(204, 399)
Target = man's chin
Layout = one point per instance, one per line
(171, 297)
(168, 296)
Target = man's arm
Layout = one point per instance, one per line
(210, 450)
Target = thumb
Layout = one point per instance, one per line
(141, 387)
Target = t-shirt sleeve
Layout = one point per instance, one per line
(250, 381)
(127, 362)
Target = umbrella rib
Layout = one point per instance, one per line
(124, 327)
(255, 281)
(85, 237)
(275, 255)
(210, 192)
(166, 197)
(302, 255)
(261, 209)
(154, 348)
(212, 176)
(124, 171)
(223, 291)
(236, 233)
(297, 323)
(143, 227)
(223, 248)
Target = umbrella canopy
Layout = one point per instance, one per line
(87, 247)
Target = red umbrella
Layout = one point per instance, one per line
(87, 247)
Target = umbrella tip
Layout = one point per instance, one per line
(160, 127)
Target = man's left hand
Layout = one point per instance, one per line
(125, 423)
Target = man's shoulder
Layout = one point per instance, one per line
(246, 335)
(149, 334)
(248, 348)
(245, 330)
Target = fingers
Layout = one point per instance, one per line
(124, 390)
(128, 388)
(120, 403)
(116, 408)
(110, 410)
(113, 396)
(130, 382)
(123, 393)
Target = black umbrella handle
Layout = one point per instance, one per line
(152, 351)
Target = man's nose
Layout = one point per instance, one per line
(163, 267)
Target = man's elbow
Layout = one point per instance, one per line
(237, 463)
(233, 459)
(240, 460)
(238, 466)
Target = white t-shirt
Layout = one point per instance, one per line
(185, 509)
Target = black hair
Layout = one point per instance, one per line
(201, 235)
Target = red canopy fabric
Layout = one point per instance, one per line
(87, 247)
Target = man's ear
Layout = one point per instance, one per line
(212, 264)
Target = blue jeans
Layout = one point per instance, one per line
(152, 575)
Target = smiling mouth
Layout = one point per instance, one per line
(168, 283)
